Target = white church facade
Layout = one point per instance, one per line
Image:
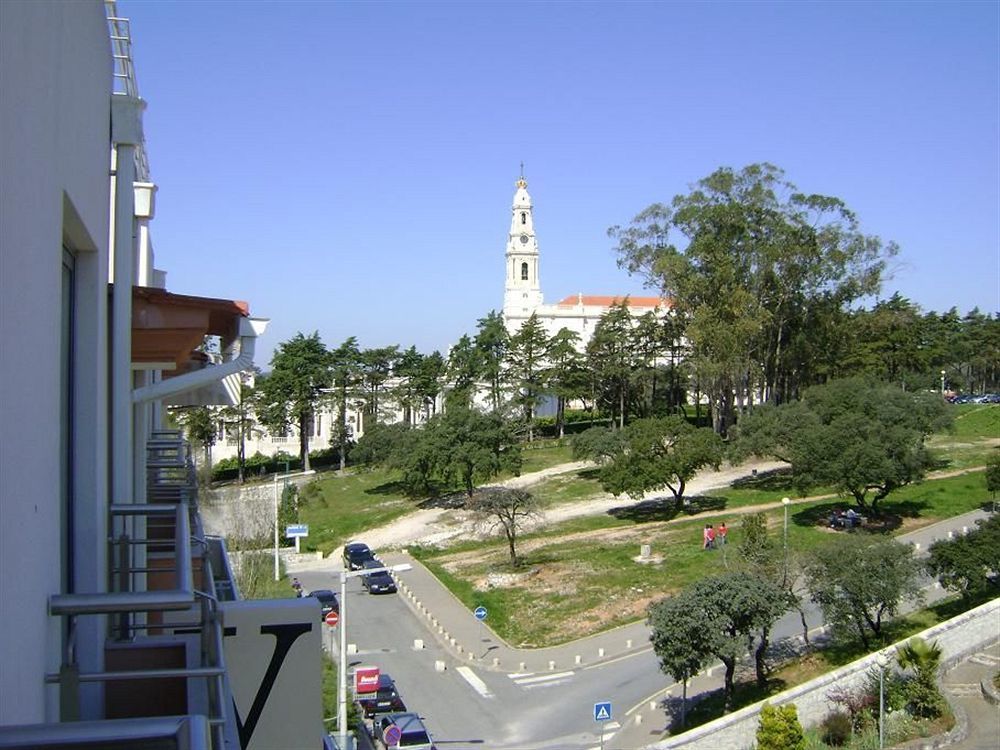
(522, 298)
(523, 291)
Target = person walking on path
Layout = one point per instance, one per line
(709, 536)
(720, 535)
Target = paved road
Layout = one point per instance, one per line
(503, 697)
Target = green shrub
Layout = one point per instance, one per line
(779, 728)
(836, 729)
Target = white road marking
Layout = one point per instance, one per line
(529, 679)
(473, 679)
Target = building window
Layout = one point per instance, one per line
(524, 217)
(524, 272)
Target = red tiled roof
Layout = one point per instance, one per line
(597, 300)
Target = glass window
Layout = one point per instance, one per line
(524, 272)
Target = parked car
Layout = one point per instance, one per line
(327, 602)
(356, 554)
(380, 582)
(413, 735)
(385, 699)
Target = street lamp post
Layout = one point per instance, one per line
(277, 576)
(342, 666)
(882, 660)
(786, 502)
(942, 383)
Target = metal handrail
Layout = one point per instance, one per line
(189, 732)
(181, 597)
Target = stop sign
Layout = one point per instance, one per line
(332, 618)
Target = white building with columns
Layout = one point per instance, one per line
(523, 288)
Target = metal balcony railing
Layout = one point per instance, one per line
(160, 562)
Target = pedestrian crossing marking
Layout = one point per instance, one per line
(530, 679)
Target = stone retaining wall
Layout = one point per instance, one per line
(957, 638)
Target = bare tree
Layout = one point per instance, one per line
(505, 509)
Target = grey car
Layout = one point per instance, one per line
(412, 733)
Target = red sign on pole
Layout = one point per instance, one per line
(365, 680)
(332, 618)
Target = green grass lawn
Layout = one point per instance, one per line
(977, 420)
(340, 507)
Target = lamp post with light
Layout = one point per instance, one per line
(342, 666)
(277, 575)
(786, 502)
(942, 383)
(882, 659)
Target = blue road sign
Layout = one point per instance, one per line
(602, 711)
(296, 529)
(480, 613)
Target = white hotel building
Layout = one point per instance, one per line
(120, 621)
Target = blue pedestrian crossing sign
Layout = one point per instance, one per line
(602, 711)
(480, 613)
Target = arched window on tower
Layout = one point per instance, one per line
(524, 272)
(524, 217)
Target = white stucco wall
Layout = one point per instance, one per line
(55, 78)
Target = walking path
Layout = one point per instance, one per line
(964, 687)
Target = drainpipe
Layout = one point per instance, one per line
(250, 329)
(126, 134)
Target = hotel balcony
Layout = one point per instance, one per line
(187, 663)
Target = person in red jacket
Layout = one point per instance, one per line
(709, 536)
(720, 535)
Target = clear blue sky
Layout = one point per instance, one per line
(349, 167)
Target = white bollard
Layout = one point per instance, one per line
(652, 705)
(600, 653)
(418, 644)
(638, 719)
(708, 672)
(552, 665)
(916, 546)
(520, 666)
(951, 534)
(352, 648)
(965, 530)
(460, 649)
(471, 656)
(496, 661)
(628, 643)
(578, 659)
(439, 666)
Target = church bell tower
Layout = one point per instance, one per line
(522, 290)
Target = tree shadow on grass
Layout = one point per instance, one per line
(446, 500)
(387, 488)
(666, 508)
(592, 474)
(776, 480)
(889, 518)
